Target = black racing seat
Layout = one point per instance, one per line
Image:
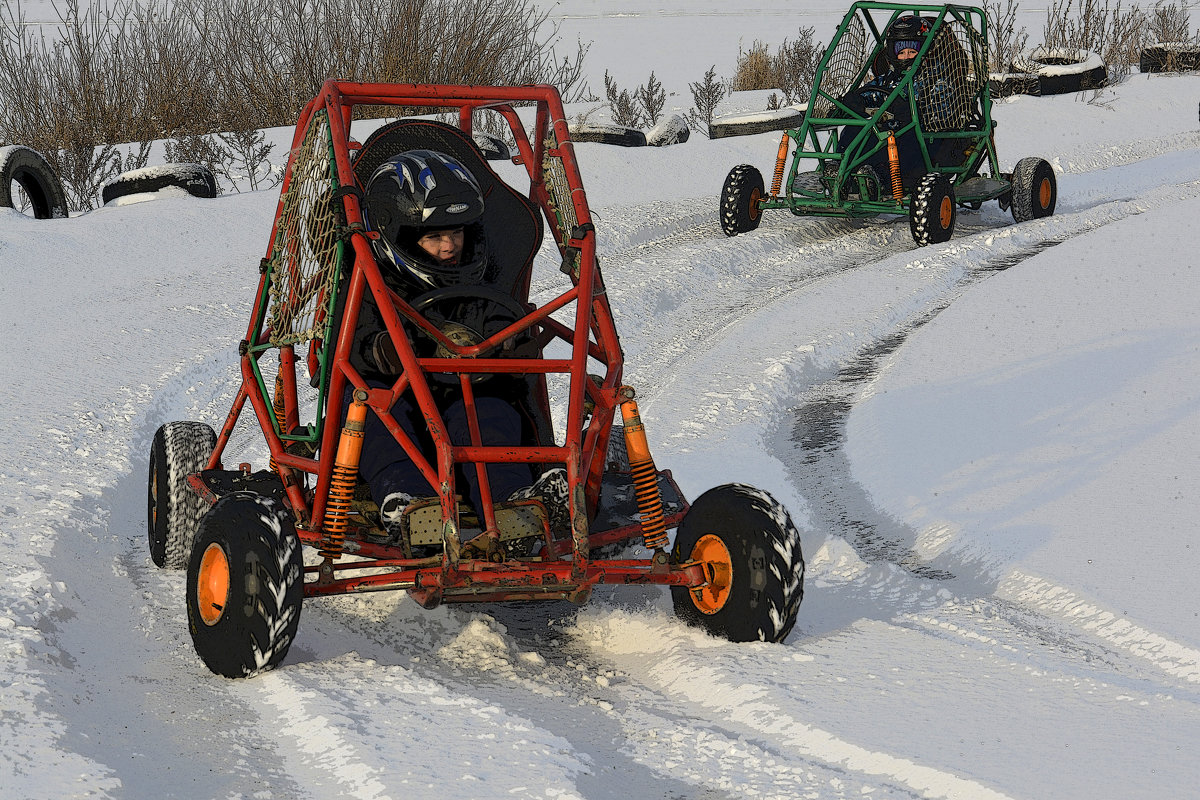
(512, 226)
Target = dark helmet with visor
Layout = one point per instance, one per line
(415, 193)
(903, 34)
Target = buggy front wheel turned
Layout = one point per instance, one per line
(932, 210)
(740, 197)
(245, 585)
(173, 510)
(752, 556)
(1034, 189)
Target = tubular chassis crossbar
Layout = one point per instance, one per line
(580, 318)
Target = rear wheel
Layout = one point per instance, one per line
(1034, 189)
(245, 585)
(740, 195)
(751, 551)
(932, 211)
(173, 510)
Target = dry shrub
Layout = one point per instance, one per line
(1007, 41)
(135, 71)
(791, 69)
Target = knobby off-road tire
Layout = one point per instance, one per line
(756, 595)
(1034, 189)
(173, 510)
(932, 210)
(196, 179)
(29, 170)
(739, 200)
(245, 585)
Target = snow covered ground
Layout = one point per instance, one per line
(990, 446)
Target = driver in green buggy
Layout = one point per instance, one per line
(424, 210)
(903, 41)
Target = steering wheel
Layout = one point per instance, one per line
(467, 315)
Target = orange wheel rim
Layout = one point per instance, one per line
(1044, 192)
(154, 500)
(212, 584)
(755, 196)
(718, 566)
(946, 212)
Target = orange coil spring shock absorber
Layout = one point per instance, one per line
(645, 476)
(780, 160)
(345, 474)
(894, 164)
(278, 409)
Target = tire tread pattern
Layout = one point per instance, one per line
(184, 448)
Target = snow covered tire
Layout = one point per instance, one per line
(196, 179)
(756, 594)
(1170, 57)
(739, 200)
(29, 170)
(173, 510)
(1007, 84)
(245, 585)
(1062, 70)
(619, 135)
(932, 210)
(755, 122)
(1034, 189)
(493, 147)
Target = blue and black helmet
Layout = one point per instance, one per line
(414, 193)
(905, 33)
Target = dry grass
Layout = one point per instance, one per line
(129, 71)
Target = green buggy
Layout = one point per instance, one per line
(881, 136)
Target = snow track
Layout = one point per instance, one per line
(749, 352)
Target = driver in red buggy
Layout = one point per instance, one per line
(425, 209)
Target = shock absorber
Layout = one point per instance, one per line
(278, 409)
(894, 165)
(780, 160)
(345, 475)
(645, 475)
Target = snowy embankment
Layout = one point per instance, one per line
(959, 429)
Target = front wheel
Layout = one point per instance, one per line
(245, 585)
(932, 210)
(1034, 189)
(740, 196)
(751, 552)
(173, 510)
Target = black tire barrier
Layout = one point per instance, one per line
(196, 179)
(1007, 84)
(1061, 70)
(670, 130)
(619, 135)
(493, 147)
(755, 122)
(1170, 57)
(29, 170)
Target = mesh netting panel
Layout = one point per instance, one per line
(305, 256)
(555, 176)
(948, 78)
(843, 67)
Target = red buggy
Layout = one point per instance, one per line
(256, 543)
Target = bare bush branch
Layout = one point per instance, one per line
(706, 95)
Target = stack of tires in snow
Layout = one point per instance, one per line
(1050, 70)
(669, 130)
(1171, 57)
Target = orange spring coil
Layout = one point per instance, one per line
(780, 159)
(345, 472)
(645, 478)
(894, 164)
(279, 410)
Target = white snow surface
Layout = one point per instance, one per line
(989, 446)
